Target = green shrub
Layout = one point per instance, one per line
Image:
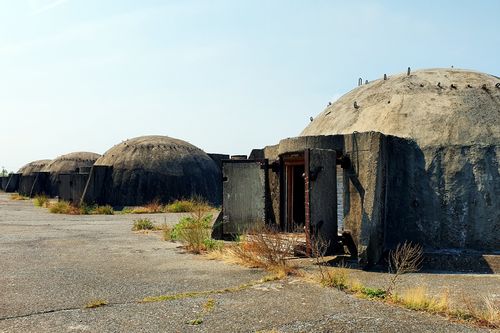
(41, 200)
(193, 231)
(143, 224)
(373, 292)
(86, 209)
(213, 245)
(181, 206)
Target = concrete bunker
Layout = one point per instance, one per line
(413, 157)
(32, 180)
(153, 168)
(69, 174)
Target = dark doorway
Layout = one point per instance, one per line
(295, 193)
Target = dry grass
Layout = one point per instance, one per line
(17, 196)
(178, 206)
(41, 200)
(95, 303)
(102, 210)
(267, 249)
(486, 314)
(63, 207)
(417, 298)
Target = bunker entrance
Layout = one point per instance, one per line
(295, 212)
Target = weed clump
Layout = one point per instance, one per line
(266, 249)
(63, 207)
(41, 200)
(17, 196)
(195, 232)
(143, 224)
(103, 210)
(187, 206)
(95, 303)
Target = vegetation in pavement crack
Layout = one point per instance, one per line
(193, 294)
(95, 303)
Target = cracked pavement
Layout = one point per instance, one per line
(52, 265)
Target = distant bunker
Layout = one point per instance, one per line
(153, 168)
(28, 182)
(410, 157)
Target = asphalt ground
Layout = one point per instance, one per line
(52, 265)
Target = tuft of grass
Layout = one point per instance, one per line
(336, 278)
(17, 196)
(486, 314)
(373, 293)
(417, 299)
(194, 322)
(63, 207)
(209, 305)
(180, 206)
(143, 224)
(95, 303)
(150, 208)
(41, 200)
(166, 232)
(187, 206)
(103, 210)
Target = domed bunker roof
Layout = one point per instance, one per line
(435, 107)
(32, 167)
(71, 162)
(161, 168)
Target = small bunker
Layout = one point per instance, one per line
(410, 157)
(33, 167)
(64, 167)
(32, 181)
(148, 168)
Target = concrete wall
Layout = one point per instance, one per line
(4, 181)
(444, 197)
(72, 186)
(13, 183)
(25, 185)
(218, 158)
(41, 185)
(98, 186)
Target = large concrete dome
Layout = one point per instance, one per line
(435, 107)
(32, 167)
(71, 162)
(160, 168)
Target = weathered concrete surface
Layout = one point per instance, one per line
(416, 107)
(443, 166)
(160, 168)
(4, 180)
(32, 167)
(13, 183)
(52, 265)
(71, 186)
(68, 163)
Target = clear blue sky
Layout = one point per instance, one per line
(227, 76)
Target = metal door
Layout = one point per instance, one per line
(244, 195)
(321, 195)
